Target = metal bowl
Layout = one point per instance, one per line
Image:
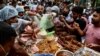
(63, 53)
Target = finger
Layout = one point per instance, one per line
(89, 45)
(76, 24)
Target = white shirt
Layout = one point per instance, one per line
(17, 25)
(90, 19)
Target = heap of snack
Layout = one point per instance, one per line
(47, 46)
(69, 43)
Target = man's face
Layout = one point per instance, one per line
(96, 18)
(13, 20)
(27, 9)
(74, 15)
(65, 12)
(21, 13)
(40, 9)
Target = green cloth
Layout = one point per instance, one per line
(46, 22)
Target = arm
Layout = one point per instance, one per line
(66, 24)
(17, 50)
(94, 46)
(76, 27)
(80, 32)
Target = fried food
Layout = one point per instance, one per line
(47, 46)
(70, 43)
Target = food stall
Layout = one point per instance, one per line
(58, 41)
(48, 44)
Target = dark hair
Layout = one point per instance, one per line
(78, 10)
(23, 2)
(6, 33)
(66, 2)
(26, 7)
(14, 3)
(97, 10)
(39, 5)
(49, 4)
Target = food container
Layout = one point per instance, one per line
(86, 52)
(63, 53)
(44, 54)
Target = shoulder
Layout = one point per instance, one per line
(89, 26)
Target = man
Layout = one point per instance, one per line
(7, 37)
(20, 12)
(40, 9)
(77, 16)
(92, 31)
(9, 15)
(78, 25)
(39, 14)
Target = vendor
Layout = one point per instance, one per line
(7, 37)
(9, 15)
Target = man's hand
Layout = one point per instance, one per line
(62, 18)
(17, 50)
(78, 29)
(76, 26)
(93, 46)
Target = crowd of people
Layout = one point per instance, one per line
(21, 24)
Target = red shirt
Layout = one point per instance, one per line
(92, 34)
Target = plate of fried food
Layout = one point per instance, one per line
(48, 46)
